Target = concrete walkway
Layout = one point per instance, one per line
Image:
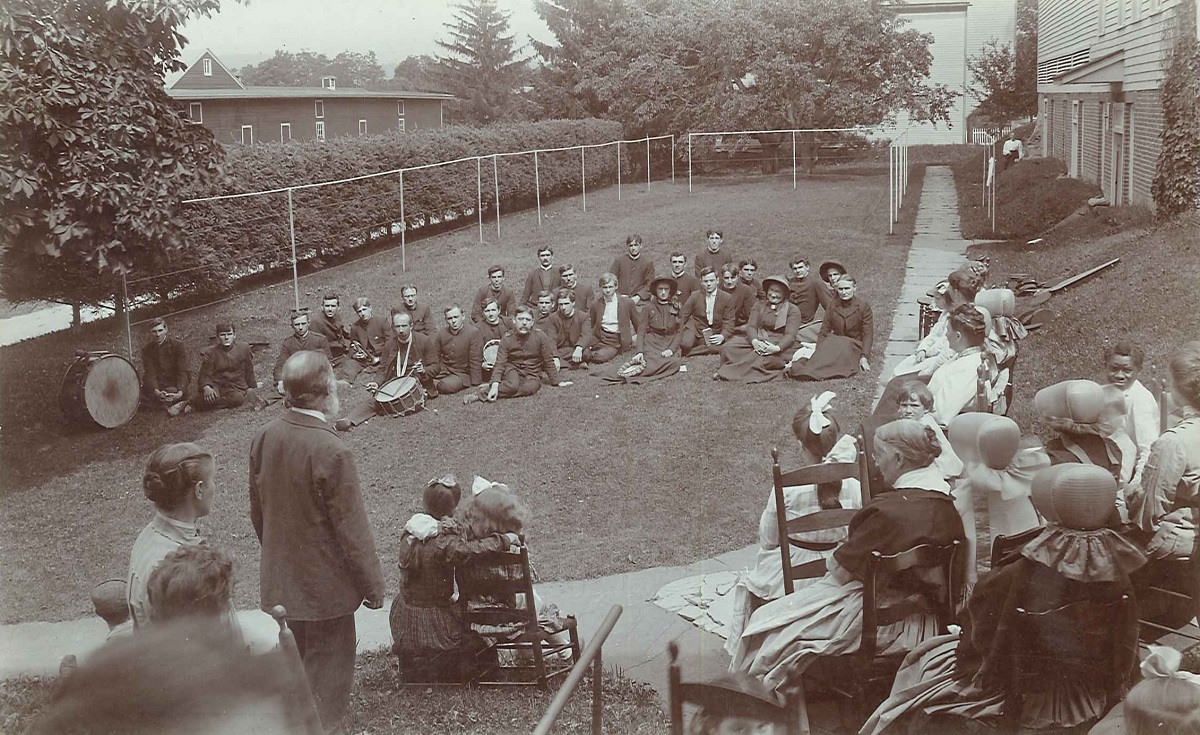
(937, 248)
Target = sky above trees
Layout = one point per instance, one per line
(242, 34)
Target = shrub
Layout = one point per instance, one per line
(251, 236)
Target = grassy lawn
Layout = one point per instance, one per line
(1149, 297)
(380, 707)
(617, 478)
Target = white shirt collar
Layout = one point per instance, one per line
(923, 478)
(309, 412)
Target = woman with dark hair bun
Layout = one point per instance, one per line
(953, 385)
(783, 637)
(180, 479)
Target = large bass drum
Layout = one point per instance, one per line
(100, 388)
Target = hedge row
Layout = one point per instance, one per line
(251, 235)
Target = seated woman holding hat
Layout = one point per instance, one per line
(762, 353)
(659, 332)
(965, 674)
(782, 638)
(934, 350)
(817, 432)
(846, 338)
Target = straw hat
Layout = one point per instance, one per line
(736, 694)
(665, 280)
(781, 282)
(1078, 496)
(827, 265)
(998, 301)
(1081, 407)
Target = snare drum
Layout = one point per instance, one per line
(400, 397)
(491, 351)
(99, 388)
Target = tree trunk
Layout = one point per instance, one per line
(770, 152)
(76, 316)
(806, 152)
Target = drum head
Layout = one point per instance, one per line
(111, 392)
(389, 390)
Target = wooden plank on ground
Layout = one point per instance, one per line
(1082, 276)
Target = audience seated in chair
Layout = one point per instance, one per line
(1165, 507)
(817, 433)
(1165, 702)
(428, 635)
(783, 637)
(1077, 557)
(1090, 422)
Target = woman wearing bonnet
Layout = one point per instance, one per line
(1076, 557)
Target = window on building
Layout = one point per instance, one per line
(320, 130)
(196, 112)
(362, 127)
(328, 82)
(247, 134)
(400, 125)
(207, 64)
(285, 132)
(319, 109)
(400, 108)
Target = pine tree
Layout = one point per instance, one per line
(581, 28)
(483, 66)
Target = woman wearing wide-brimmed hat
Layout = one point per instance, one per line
(846, 338)
(762, 353)
(1076, 557)
(660, 329)
(1089, 419)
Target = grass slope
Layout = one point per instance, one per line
(1031, 197)
(618, 478)
(1149, 297)
(379, 706)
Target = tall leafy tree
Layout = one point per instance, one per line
(305, 69)
(483, 65)
(97, 156)
(1004, 76)
(416, 74)
(679, 65)
(580, 27)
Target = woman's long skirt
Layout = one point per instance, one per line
(741, 364)
(836, 357)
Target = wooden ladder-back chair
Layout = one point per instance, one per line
(1006, 548)
(927, 316)
(496, 598)
(984, 388)
(680, 693)
(864, 677)
(821, 520)
(1152, 593)
(1072, 643)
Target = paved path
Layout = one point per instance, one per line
(937, 248)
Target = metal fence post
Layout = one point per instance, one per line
(479, 195)
(598, 693)
(689, 163)
(292, 236)
(618, 170)
(583, 173)
(537, 185)
(793, 159)
(403, 229)
(647, 163)
(672, 159)
(496, 178)
(125, 300)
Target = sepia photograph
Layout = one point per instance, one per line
(705, 367)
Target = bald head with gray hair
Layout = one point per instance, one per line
(309, 382)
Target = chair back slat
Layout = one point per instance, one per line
(818, 474)
(819, 521)
(936, 594)
(1005, 548)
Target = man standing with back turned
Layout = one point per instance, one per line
(318, 554)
